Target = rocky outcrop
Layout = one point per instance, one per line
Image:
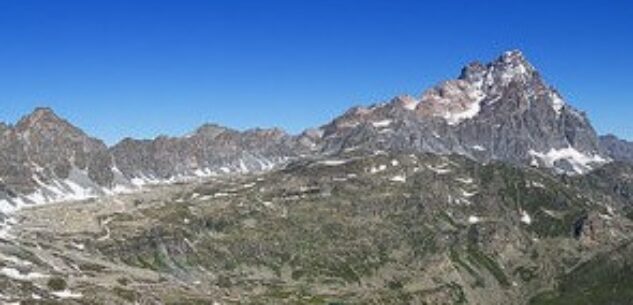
(617, 149)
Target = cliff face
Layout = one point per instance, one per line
(44, 157)
(617, 149)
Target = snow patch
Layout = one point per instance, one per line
(78, 246)
(248, 185)
(610, 210)
(466, 180)
(381, 124)
(378, 169)
(535, 184)
(440, 170)
(557, 102)
(67, 294)
(6, 206)
(454, 118)
(15, 274)
(243, 167)
(579, 161)
(399, 178)
(333, 162)
(142, 180)
(467, 194)
(206, 172)
(411, 104)
(14, 260)
(525, 218)
(473, 219)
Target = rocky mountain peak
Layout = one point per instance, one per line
(515, 56)
(210, 130)
(478, 85)
(267, 133)
(44, 119)
(501, 110)
(510, 66)
(39, 114)
(473, 71)
(405, 101)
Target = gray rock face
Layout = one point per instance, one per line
(617, 149)
(211, 149)
(498, 111)
(43, 150)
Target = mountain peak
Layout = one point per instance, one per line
(510, 66)
(44, 122)
(515, 54)
(39, 115)
(513, 58)
(43, 111)
(211, 130)
(513, 63)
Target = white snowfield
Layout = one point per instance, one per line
(15, 274)
(333, 162)
(398, 178)
(473, 219)
(580, 162)
(467, 180)
(410, 103)
(378, 169)
(454, 118)
(440, 169)
(525, 218)
(67, 294)
(381, 124)
(557, 103)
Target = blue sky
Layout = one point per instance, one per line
(143, 68)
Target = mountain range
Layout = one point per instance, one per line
(497, 111)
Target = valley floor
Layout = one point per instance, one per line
(384, 229)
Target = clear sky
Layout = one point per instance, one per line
(142, 68)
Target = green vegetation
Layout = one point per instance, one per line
(607, 279)
(526, 273)
(300, 236)
(478, 258)
(56, 284)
